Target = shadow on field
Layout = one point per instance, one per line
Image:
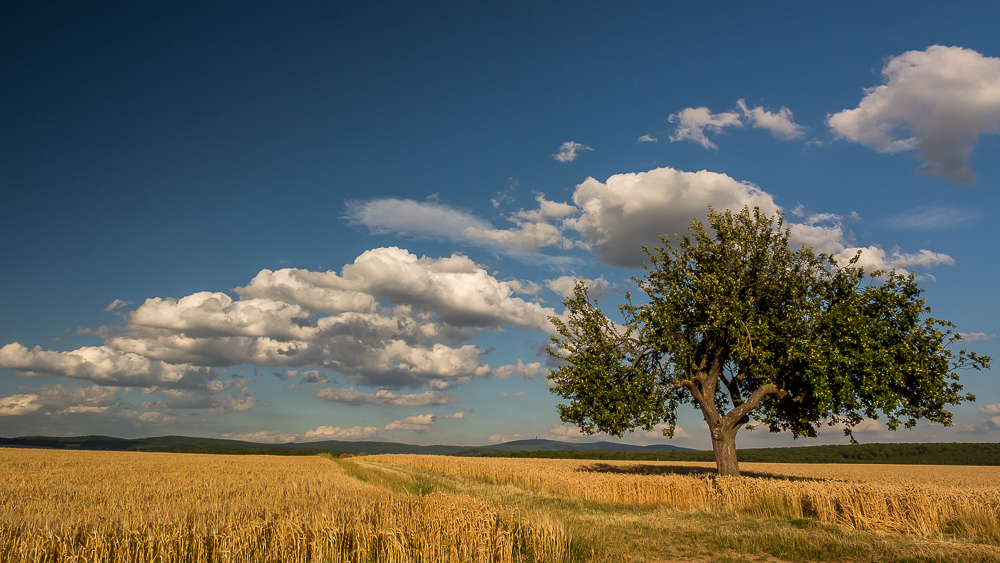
(643, 469)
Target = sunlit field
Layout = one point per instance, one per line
(101, 507)
(898, 498)
(122, 506)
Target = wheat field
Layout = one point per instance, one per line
(111, 507)
(924, 500)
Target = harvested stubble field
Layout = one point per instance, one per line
(942, 504)
(912, 499)
(114, 506)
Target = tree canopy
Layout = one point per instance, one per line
(747, 329)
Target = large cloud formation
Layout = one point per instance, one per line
(619, 215)
(104, 366)
(938, 101)
(53, 402)
(614, 218)
(390, 319)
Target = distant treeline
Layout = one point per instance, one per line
(903, 454)
(187, 444)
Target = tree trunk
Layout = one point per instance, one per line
(724, 444)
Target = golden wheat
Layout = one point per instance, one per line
(113, 507)
(889, 498)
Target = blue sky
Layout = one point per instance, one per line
(352, 221)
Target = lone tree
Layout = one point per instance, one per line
(745, 328)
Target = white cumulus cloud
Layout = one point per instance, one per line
(103, 365)
(875, 258)
(614, 218)
(564, 285)
(629, 210)
(533, 229)
(384, 397)
(525, 287)
(264, 437)
(564, 433)
(993, 422)
(457, 289)
(937, 101)
(825, 233)
(218, 398)
(528, 371)
(15, 405)
(780, 124)
(390, 319)
(976, 336)
(418, 423)
(693, 122)
(62, 400)
(338, 433)
(151, 417)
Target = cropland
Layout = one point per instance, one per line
(86, 506)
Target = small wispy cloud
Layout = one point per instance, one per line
(116, 304)
(336, 432)
(933, 218)
(264, 437)
(407, 217)
(974, 336)
(420, 423)
(570, 150)
(351, 396)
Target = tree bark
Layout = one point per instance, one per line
(724, 444)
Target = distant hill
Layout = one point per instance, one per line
(186, 444)
(553, 445)
(216, 445)
(904, 454)
(375, 448)
(901, 454)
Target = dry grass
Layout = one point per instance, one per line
(941, 501)
(111, 507)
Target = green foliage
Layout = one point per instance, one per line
(743, 327)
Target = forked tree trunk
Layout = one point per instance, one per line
(724, 444)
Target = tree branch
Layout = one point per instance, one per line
(733, 418)
(734, 389)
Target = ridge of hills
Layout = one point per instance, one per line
(934, 453)
(217, 445)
